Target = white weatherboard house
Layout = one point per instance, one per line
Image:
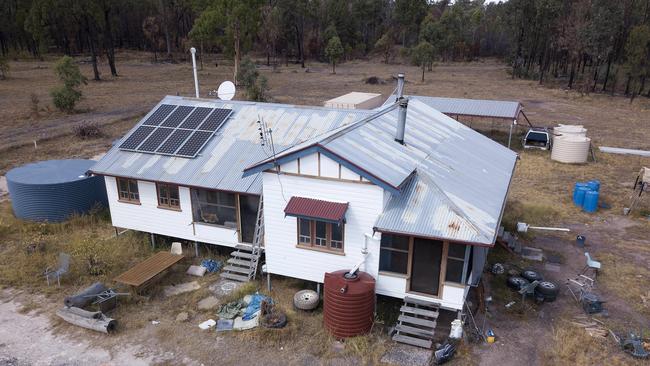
(415, 201)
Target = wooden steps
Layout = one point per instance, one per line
(237, 269)
(234, 277)
(413, 341)
(242, 266)
(416, 323)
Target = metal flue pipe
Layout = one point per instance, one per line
(196, 78)
(403, 104)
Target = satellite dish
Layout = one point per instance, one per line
(226, 90)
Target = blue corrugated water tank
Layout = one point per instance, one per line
(53, 190)
(590, 203)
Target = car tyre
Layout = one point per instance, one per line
(531, 275)
(517, 283)
(306, 300)
(548, 290)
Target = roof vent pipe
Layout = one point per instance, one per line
(196, 78)
(401, 115)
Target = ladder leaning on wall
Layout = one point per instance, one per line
(242, 266)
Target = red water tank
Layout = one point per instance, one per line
(349, 303)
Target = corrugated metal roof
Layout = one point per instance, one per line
(468, 107)
(315, 208)
(235, 146)
(461, 180)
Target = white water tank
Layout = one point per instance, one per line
(571, 149)
(575, 130)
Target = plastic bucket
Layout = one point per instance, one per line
(590, 201)
(456, 329)
(579, 197)
(594, 185)
(580, 241)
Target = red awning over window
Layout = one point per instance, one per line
(316, 209)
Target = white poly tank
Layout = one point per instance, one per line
(570, 149)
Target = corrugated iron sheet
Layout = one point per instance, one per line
(315, 208)
(469, 107)
(235, 146)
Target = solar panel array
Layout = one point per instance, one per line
(176, 130)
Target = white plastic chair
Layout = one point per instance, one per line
(64, 266)
(591, 264)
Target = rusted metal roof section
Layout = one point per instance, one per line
(235, 146)
(316, 209)
(469, 107)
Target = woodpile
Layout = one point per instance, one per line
(593, 327)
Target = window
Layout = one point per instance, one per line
(394, 253)
(455, 263)
(127, 190)
(168, 196)
(214, 207)
(320, 234)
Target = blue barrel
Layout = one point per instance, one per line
(575, 190)
(579, 197)
(590, 202)
(594, 185)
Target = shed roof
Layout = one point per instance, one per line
(353, 98)
(469, 107)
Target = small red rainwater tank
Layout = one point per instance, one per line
(349, 303)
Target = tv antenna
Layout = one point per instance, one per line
(266, 136)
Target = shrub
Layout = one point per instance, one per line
(65, 98)
(256, 84)
(87, 130)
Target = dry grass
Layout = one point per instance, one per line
(627, 280)
(96, 255)
(571, 345)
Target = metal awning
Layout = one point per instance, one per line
(316, 209)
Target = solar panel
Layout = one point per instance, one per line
(155, 139)
(174, 142)
(194, 144)
(159, 115)
(194, 120)
(177, 116)
(215, 119)
(136, 137)
(176, 130)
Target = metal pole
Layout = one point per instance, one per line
(318, 288)
(196, 249)
(514, 122)
(196, 78)
(153, 242)
(268, 281)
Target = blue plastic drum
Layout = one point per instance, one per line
(575, 190)
(594, 185)
(579, 197)
(590, 201)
